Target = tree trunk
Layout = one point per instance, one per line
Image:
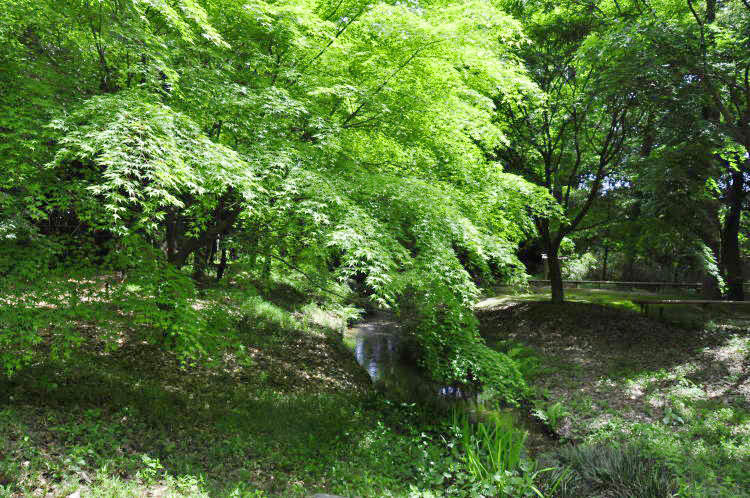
(223, 222)
(212, 246)
(555, 275)
(731, 260)
(171, 235)
(199, 264)
(629, 267)
(222, 264)
(552, 246)
(266, 274)
(604, 263)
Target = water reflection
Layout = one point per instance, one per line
(451, 392)
(376, 353)
(377, 347)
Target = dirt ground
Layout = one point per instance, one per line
(604, 363)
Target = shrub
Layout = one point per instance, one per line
(453, 353)
(613, 471)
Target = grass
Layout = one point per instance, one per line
(677, 388)
(277, 408)
(613, 471)
(288, 414)
(491, 447)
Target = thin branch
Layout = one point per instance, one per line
(333, 11)
(597, 224)
(330, 42)
(362, 121)
(695, 15)
(382, 85)
(308, 277)
(577, 164)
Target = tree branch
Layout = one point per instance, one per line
(328, 45)
(380, 87)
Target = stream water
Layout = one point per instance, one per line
(377, 345)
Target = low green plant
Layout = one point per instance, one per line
(623, 472)
(152, 467)
(672, 417)
(490, 447)
(266, 319)
(551, 414)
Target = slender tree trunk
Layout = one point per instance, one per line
(222, 264)
(254, 247)
(552, 246)
(604, 263)
(171, 235)
(629, 267)
(199, 264)
(266, 274)
(731, 261)
(212, 251)
(555, 276)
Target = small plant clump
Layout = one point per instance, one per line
(606, 470)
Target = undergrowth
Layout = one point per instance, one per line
(272, 405)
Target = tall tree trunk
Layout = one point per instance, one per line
(212, 246)
(731, 260)
(223, 222)
(555, 276)
(552, 246)
(222, 264)
(199, 263)
(266, 273)
(629, 267)
(171, 235)
(604, 263)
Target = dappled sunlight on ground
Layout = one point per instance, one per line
(679, 386)
(608, 360)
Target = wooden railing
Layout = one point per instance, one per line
(617, 283)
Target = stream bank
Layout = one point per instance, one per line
(379, 347)
(678, 393)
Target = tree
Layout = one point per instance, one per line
(571, 141)
(686, 58)
(342, 142)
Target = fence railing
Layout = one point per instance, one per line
(618, 283)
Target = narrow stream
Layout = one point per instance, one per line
(377, 346)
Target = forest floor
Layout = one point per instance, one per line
(679, 387)
(298, 417)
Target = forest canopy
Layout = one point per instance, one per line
(176, 143)
(397, 150)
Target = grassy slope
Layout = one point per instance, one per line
(679, 387)
(299, 418)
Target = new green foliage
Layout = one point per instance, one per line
(343, 143)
